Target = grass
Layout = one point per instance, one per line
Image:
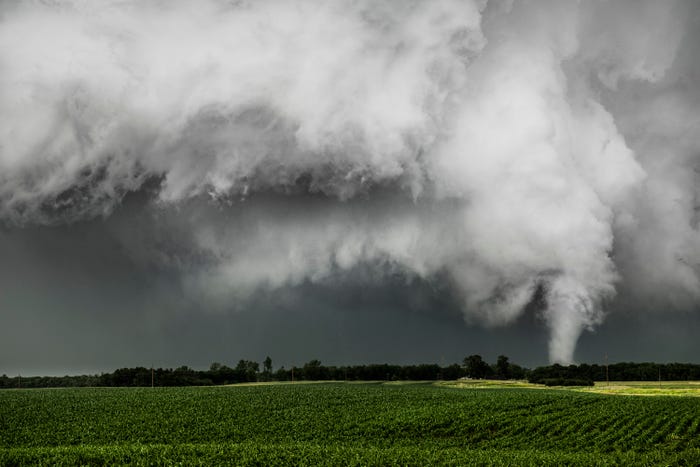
(490, 384)
(626, 388)
(355, 424)
(647, 388)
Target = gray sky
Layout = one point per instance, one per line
(73, 302)
(355, 182)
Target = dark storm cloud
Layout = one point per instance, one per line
(164, 165)
(74, 301)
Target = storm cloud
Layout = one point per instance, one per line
(517, 157)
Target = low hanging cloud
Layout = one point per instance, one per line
(525, 152)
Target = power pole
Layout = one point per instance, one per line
(151, 376)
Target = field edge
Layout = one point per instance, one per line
(325, 454)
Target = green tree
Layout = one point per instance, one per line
(313, 370)
(247, 370)
(475, 367)
(267, 368)
(502, 367)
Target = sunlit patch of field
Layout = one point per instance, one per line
(624, 388)
(646, 388)
(304, 382)
(349, 382)
(489, 384)
(274, 383)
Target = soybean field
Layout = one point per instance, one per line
(345, 424)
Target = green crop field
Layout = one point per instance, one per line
(346, 423)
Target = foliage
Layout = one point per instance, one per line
(245, 371)
(625, 371)
(266, 374)
(476, 368)
(332, 455)
(344, 423)
(472, 366)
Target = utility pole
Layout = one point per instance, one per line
(292, 374)
(151, 376)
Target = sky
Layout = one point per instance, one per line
(184, 183)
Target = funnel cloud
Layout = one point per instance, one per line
(506, 158)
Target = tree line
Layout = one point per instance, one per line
(624, 371)
(249, 371)
(473, 366)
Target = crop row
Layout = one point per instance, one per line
(326, 454)
(358, 416)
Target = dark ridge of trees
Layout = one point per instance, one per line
(624, 371)
(473, 367)
(476, 368)
(250, 371)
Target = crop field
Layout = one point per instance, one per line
(346, 424)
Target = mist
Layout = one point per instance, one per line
(504, 162)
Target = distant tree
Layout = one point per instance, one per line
(502, 367)
(421, 372)
(517, 372)
(281, 374)
(312, 370)
(452, 372)
(221, 374)
(476, 367)
(247, 370)
(267, 368)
